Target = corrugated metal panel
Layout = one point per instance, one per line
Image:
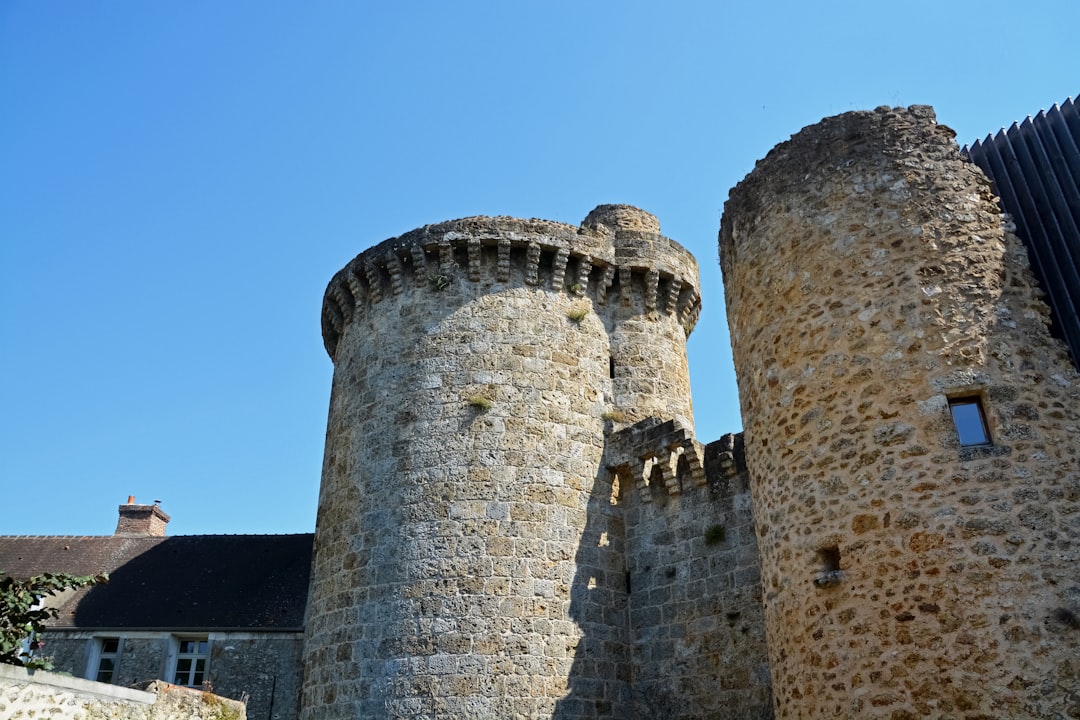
(1035, 167)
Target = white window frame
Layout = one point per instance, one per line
(176, 658)
(97, 653)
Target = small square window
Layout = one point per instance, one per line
(970, 421)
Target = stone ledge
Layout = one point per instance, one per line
(14, 675)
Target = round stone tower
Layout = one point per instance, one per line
(911, 431)
(478, 364)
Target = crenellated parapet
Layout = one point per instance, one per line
(652, 456)
(617, 258)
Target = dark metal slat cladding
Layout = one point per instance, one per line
(1035, 167)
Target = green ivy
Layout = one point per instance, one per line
(23, 615)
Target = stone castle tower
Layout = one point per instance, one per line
(877, 304)
(468, 549)
(516, 520)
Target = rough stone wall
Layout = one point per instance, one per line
(70, 652)
(142, 659)
(695, 608)
(458, 569)
(651, 311)
(870, 278)
(264, 667)
(25, 695)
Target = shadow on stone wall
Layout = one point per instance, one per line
(600, 677)
(668, 591)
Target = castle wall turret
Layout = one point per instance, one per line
(873, 291)
(472, 391)
(654, 304)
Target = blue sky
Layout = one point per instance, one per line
(179, 181)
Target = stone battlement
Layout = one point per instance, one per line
(652, 451)
(618, 252)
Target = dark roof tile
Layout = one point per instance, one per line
(200, 582)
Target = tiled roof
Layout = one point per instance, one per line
(204, 582)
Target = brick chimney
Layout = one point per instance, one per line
(141, 519)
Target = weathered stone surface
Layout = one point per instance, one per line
(473, 542)
(263, 667)
(25, 695)
(516, 520)
(869, 278)
(695, 606)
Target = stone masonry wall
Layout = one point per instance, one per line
(142, 659)
(462, 499)
(264, 667)
(697, 632)
(647, 340)
(870, 279)
(25, 695)
(70, 652)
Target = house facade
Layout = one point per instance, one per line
(217, 612)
